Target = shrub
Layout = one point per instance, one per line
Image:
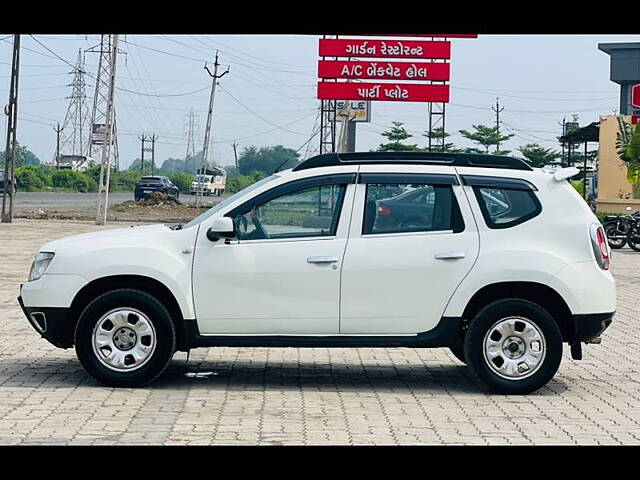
(32, 178)
(72, 180)
(579, 186)
(181, 180)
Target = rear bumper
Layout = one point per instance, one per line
(590, 326)
(51, 323)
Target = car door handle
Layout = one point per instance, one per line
(322, 259)
(448, 255)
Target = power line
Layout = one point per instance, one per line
(258, 115)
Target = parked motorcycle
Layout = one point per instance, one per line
(623, 229)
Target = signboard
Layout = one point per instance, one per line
(360, 110)
(385, 48)
(635, 96)
(384, 70)
(98, 133)
(438, 35)
(406, 92)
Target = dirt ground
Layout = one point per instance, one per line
(83, 208)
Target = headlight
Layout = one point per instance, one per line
(39, 265)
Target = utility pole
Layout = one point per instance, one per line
(235, 151)
(142, 139)
(205, 150)
(153, 151)
(497, 110)
(564, 131)
(11, 110)
(105, 164)
(58, 130)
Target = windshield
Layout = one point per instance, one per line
(228, 201)
(203, 178)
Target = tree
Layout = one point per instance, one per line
(537, 155)
(266, 159)
(396, 134)
(628, 150)
(173, 165)
(437, 134)
(24, 157)
(487, 137)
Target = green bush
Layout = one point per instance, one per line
(32, 178)
(124, 181)
(181, 180)
(72, 180)
(240, 182)
(579, 186)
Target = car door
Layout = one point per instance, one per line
(281, 273)
(404, 261)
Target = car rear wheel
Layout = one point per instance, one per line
(125, 338)
(513, 346)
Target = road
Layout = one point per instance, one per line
(307, 396)
(27, 201)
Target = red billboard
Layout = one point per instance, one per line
(384, 70)
(404, 92)
(385, 48)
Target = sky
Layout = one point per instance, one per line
(269, 95)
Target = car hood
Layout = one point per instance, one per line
(131, 236)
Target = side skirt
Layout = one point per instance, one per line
(448, 332)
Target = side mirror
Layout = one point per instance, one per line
(221, 227)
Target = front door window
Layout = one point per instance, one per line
(311, 212)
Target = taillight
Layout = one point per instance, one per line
(600, 246)
(383, 210)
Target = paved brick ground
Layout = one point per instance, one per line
(307, 396)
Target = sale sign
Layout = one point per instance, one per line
(405, 92)
(385, 48)
(384, 70)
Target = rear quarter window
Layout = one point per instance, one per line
(505, 207)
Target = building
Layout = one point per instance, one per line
(615, 191)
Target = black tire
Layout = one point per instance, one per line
(157, 315)
(458, 352)
(615, 243)
(483, 322)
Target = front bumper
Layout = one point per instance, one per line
(590, 326)
(51, 323)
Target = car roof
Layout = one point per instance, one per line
(417, 158)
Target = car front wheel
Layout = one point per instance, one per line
(513, 346)
(125, 338)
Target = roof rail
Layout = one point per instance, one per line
(425, 158)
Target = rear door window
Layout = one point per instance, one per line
(504, 207)
(410, 207)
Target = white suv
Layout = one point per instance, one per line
(484, 255)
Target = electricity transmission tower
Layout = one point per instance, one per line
(109, 128)
(75, 120)
(191, 125)
(106, 63)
